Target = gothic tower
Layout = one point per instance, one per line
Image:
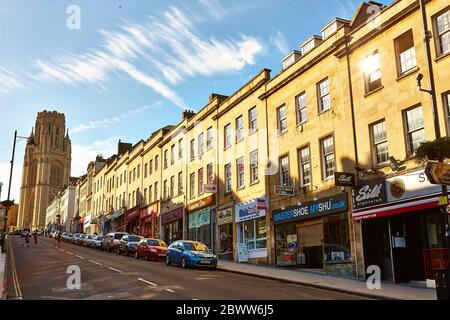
(46, 168)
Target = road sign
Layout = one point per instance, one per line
(438, 173)
(284, 190)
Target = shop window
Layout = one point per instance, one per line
(328, 161)
(415, 131)
(254, 166)
(336, 239)
(405, 52)
(226, 238)
(285, 238)
(323, 93)
(240, 172)
(305, 166)
(239, 128)
(281, 119)
(252, 119)
(228, 177)
(372, 72)
(379, 142)
(442, 25)
(254, 233)
(300, 102)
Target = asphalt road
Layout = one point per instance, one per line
(42, 274)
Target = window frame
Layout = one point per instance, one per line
(227, 142)
(437, 41)
(374, 144)
(192, 185)
(209, 138)
(252, 122)
(323, 157)
(180, 183)
(407, 132)
(280, 120)
(254, 178)
(398, 53)
(301, 165)
(446, 104)
(200, 146)
(369, 85)
(240, 175)
(228, 174)
(281, 172)
(200, 181)
(239, 122)
(298, 110)
(321, 96)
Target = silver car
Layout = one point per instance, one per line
(111, 241)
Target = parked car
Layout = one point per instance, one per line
(111, 241)
(75, 238)
(80, 239)
(128, 244)
(97, 242)
(64, 235)
(151, 249)
(190, 254)
(69, 237)
(87, 242)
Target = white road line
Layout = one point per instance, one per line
(148, 282)
(80, 257)
(69, 253)
(61, 250)
(114, 270)
(170, 290)
(95, 262)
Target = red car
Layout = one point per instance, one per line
(151, 249)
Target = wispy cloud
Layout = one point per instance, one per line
(215, 9)
(16, 180)
(159, 53)
(110, 120)
(279, 41)
(9, 81)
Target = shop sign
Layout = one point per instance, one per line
(410, 185)
(251, 210)
(87, 220)
(284, 190)
(369, 193)
(205, 202)
(133, 214)
(312, 209)
(172, 216)
(242, 252)
(210, 188)
(438, 173)
(199, 218)
(149, 211)
(117, 214)
(225, 216)
(344, 179)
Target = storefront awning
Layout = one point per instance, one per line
(118, 214)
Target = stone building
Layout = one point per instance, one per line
(46, 168)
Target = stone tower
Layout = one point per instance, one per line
(46, 168)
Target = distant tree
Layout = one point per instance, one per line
(437, 150)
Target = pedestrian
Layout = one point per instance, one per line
(35, 238)
(59, 239)
(27, 239)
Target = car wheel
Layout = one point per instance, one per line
(136, 255)
(183, 263)
(146, 256)
(118, 251)
(126, 252)
(168, 262)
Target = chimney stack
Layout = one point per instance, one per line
(187, 114)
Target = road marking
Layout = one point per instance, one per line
(69, 253)
(62, 250)
(148, 282)
(170, 290)
(114, 270)
(14, 273)
(194, 299)
(80, 257)
(95, 262)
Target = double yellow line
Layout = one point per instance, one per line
(14, 272)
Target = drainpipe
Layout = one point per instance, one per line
(267, 181)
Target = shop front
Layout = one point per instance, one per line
(132, 221)
(314, 235)
(251, 230)
(106, 224)
(117, 219)
(403, 227)
(200, 221)
(225, 232)
(172, 225)
(149, 221)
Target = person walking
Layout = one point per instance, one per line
(59, 239)
(27, 239)
(35, 238)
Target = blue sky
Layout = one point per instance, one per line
(134, 65)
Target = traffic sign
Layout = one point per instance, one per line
(438, 173)
(284, 190)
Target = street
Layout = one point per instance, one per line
(41, 275)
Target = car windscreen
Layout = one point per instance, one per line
(153, 243)
(162, 243)
(118, 236)
(133, 239)
(195, 246)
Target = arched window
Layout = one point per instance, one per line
(33, 173)
(56, 173)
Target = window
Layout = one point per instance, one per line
(165, 190)
(192, 185)
(254, 166)
(328, 165)
(138, 196)
(323, 92)
(240, 172)
(180, 149)
(447, 110)
(443, 31)
(253, 233)
(125, 177)
(150, 169)
(379, 142)
(281, 119)
(138, 171)
(172, 154)
(134, 174)
(200, 145)
(305, 166)
(405, 52)
(228, 178)
(145, 170)
(133, 202)
(209, 138)
(300, 102)
(209, 174)
(252, 120)
(166, 160)
(172, 186)
(284, 171)
(156, 163)
(129, 178)
(372, 72)
(180, 183)
(200, 181)
(150, 194)
(239, 128)
(336, 238)
(227, 136)
(414, 129)
(156, 191)
(192, 149)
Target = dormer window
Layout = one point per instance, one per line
(310, 44)
(332, 27)
(293, 57)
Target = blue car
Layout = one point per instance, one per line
(190, 254)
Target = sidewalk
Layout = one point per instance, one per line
(2, 274)
(355, 286)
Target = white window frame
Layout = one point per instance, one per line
(282, 119)
(444, 33)
(240, 170)
(411, 131)
(323, 93)
(284, 173)
(300, 103)
(376, 143)
(227, 136)
(325, 156)
(239, 128)
(228, 178)
(252, 120)
(254, 174)
(303, 165)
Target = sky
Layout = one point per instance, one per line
(122, 69)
